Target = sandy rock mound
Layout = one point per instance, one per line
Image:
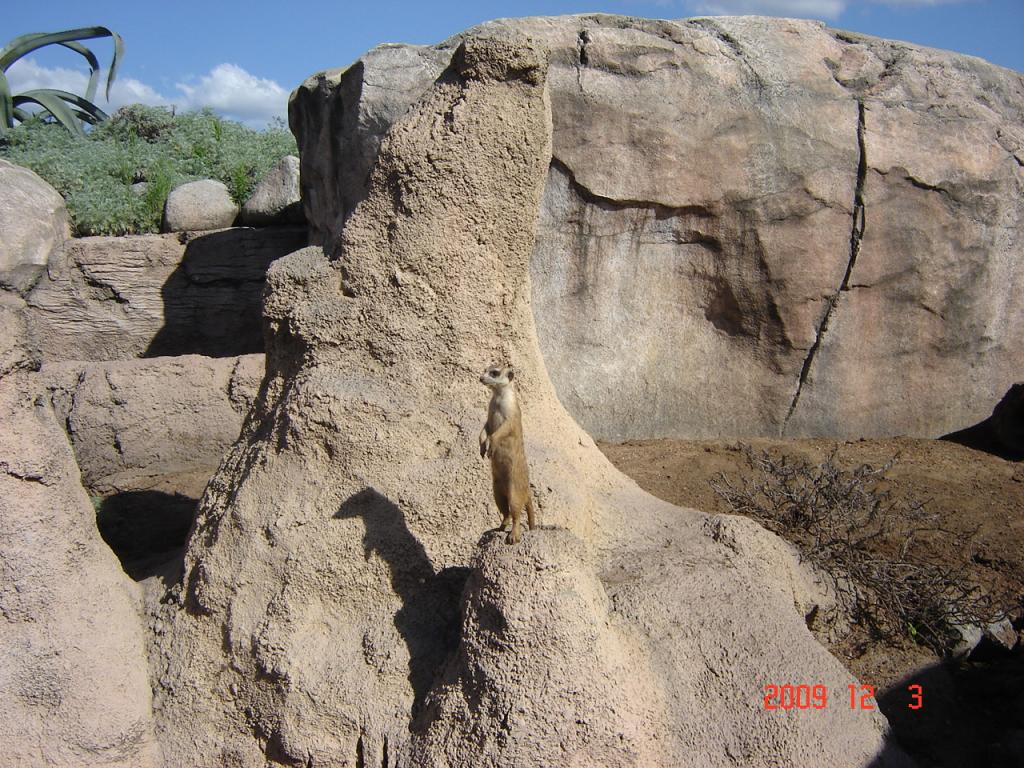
(74, 689)
(317, 609)
(539, 633)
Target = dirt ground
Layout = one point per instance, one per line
(973, 712)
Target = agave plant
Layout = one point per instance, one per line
(69, 109)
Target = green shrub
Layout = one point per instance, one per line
(867, 543)
(94, 173)
(137, 121)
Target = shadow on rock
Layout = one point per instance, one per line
(212, 301)
(969, 713)
(1002, 433)
(147, 530)
(428, 620)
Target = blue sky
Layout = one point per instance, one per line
(243, 58)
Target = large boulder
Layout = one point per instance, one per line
(275, 199)
(199, 206)
(74, 682)
(34, 222)
(132, 421)
(750, 226)
(314, 623)
(110, 298)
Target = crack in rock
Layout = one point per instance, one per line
(26, 476)
(734, 45)
(105, 290)
(589, 196)
(856, 237)
(581, 49)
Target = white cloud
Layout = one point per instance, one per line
(820, 9)
(228, 90)
(26, 74)
(829, 9)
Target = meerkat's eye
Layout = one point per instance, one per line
(493, 372)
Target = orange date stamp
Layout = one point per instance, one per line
(786, 697)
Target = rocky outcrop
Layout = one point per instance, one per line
(34, 222)
(275, 200)
(539, 628)
(315, 623)
(339, 117)
(15, 353)
(199, 206)
(111, 298)
(132, 421)
(74, 688)
(749, 227)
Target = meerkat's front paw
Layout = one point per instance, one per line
(485, 448)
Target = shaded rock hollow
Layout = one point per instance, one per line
(316, 623)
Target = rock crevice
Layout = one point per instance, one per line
(859, 218)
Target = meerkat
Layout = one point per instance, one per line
(501, 440)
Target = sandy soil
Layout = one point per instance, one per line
(973, 712)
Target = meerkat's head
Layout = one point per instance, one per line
(497, 377)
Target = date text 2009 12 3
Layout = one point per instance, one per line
(817, 697)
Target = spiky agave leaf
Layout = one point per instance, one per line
(78, 104)
(94, 67)
(60, 111)
(7, 113)
(25, 44)
(67, 108)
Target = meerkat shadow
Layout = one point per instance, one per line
(429, 619)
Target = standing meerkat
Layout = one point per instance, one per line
(501, 440)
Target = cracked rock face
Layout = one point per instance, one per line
(750, 226)
(111, 298)
(339, 606)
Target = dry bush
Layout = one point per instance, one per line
(867, 543)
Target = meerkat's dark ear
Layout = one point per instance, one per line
(511, 373)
